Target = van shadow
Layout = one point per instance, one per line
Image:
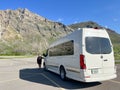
(47, 78)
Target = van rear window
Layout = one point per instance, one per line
(98, 45)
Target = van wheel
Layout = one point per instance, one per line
(62, 73)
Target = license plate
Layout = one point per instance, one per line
(94, 71)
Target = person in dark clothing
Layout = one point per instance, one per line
(39, 61)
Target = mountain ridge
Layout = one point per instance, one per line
(22, 32)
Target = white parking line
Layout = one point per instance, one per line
(9, 80)
(4, 81)
(114, 81)
(7, 72)
(52, 81)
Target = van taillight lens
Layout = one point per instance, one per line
(82, 63)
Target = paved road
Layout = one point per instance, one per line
(23, 74)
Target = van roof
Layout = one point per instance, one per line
(96, 28)
(88, 31)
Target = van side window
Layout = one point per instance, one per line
(98, 45)
(66, 48)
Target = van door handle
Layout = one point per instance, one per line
(105, 60)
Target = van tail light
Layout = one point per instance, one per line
(82, 62)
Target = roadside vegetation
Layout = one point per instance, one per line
(117, 51)
(11, 57)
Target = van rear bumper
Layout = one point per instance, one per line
(100, 78)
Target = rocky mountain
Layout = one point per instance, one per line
(23, 32)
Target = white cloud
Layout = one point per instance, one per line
(106, 26)
(60, 19)
(75, 22)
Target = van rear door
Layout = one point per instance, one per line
(98, 54)
(107, 56)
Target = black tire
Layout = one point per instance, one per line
(62, 73)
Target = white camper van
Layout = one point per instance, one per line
(85, 55)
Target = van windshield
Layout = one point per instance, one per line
(98, 45)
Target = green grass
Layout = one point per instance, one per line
(10, 57)
(117, 51)
(117, 62)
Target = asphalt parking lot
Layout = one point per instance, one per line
(23, 74)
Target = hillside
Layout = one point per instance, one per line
(115, 37)
(23, 32)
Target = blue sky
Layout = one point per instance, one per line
(104, 12)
